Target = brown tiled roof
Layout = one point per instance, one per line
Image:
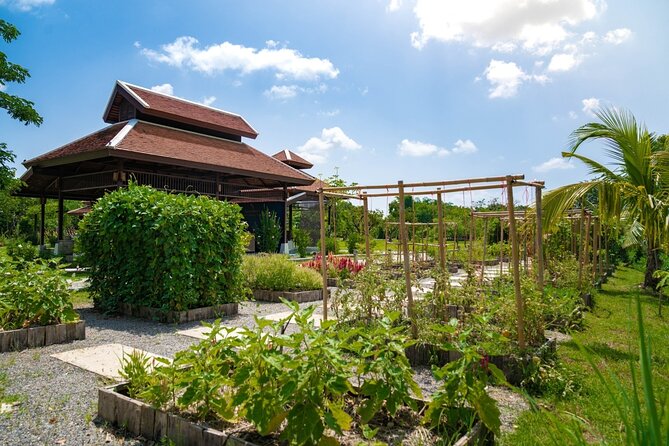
(292, 159)
(143, 140)
(174, 144)
(163, 105)
(89, 143)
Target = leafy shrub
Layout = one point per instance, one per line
(302, 241)
(21, 250)
(268, 234)
(33, 294)
(352, 242)
(563, 309)
(276, 272)
(165, 251)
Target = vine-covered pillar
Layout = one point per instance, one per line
(513, 239)
(324, 267)
(404, 236)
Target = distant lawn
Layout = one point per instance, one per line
(80, 298)
(611, 337)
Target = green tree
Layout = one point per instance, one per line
(633, 190)
(18, 108)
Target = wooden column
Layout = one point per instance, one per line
(218, 186)
(539, 245)
(60, 209)
(290, 222)
(485, 246)
(42, 206)
(407, 266)
(440, 231)
(285, 216)
(324, 267)
(365, 217)
(513, 239)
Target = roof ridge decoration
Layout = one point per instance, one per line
(116, 140)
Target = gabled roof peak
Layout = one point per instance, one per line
(292, 159)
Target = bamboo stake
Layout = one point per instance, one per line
(444, 191)
(587, 242)
(368, 252)
(440, 220)
(539, 250)
(513, 238)
(595, 250)
(471, 237)
(407, 267)
(501, 247)
(581, 249)
(324, 267)
(485, 245)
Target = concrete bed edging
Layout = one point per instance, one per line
(179, 317)
(295, 296)
(41, 336)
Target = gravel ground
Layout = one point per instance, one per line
(58, 401)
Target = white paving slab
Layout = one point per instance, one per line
(104, 360)
(203, 332)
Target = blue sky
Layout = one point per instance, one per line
(382, 89)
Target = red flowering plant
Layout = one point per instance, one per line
(339, 267)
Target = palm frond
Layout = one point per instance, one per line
(557, 201)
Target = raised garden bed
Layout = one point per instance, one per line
(42, 336)
(295, 296)
(179, 317)
(141, 419)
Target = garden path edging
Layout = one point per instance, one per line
(41, 336)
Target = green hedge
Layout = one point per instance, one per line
(276, 272)
(165, 251)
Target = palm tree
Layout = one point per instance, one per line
(633, 189)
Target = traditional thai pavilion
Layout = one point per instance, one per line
(171, 144)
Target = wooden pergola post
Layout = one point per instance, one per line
(595, 250)
(501, 246)
(581, 248)
(587, 241)
(324, 267)
(485, 246)
(440, 231)
(42, 209)
(513, 238)
(471, 236)
(539, 249)
(407, 267)
(368, 252)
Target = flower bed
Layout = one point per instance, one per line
(41, 336)
(179, 317)
(341, 268)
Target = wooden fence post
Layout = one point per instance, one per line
(539, 250)
(513, 238)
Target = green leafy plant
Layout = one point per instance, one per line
(21, 250)
(276, 272)
(160, 250)
(33, 294)
(268, 233)
(352, 241)
(302, 241)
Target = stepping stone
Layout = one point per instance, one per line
(203, 332)
(104, 360)
(315, 318)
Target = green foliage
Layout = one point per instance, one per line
(352, 241)
(302, 241)
(21, 250)
(135, 370)
(268, 234)
(276, 272)
(545, 375)
(33, 294)
(166, 251)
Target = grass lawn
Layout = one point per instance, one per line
(611, 337)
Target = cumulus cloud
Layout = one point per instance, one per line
(281, 92)
(590, 105)
(208, 100)
(618, 36)
(553, 164)
(563, 62)
(506, 77)
(318, 148)
(186, 52)
(163, 88)
(418, 149)
(393, 5)
(537, 26)
(26, 5)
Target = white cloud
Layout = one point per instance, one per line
(281, 92)
(186, 52)
(318, 148)
(330, 113)
(590, 105)
(537, 26)
(506, 77)
(464, 147)
(393, 5)
(271, 43)
(3, 87)
(419, 149)
(26, 5)
(163, 88)
(618, 36)
(573, 114)
(208, 100)
(553, 164)
(563, 62)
